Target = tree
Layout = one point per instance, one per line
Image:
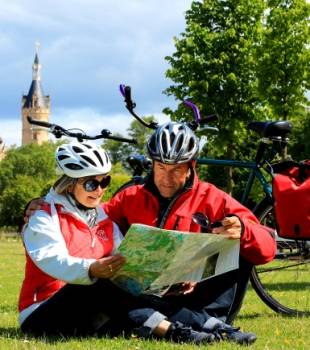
(24, 173)
(284, 57)
(119, 177)
(214, 66)
(15, 197)
(30, 160)
(299, 148)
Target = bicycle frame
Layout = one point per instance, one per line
(255, 172)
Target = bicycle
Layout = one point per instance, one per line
(276, 282)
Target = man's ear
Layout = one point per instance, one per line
(193, 164)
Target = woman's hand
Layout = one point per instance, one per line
(107, 266)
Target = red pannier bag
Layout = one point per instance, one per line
(291, 193)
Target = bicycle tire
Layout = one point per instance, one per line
(284, 283)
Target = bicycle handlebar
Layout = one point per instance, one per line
(58, 131)
(130, 105)
(194, 125)
(195, 110)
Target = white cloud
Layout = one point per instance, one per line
(86, 119)
(87, 49)
(11, 131)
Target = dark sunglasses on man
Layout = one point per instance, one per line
(92, 184)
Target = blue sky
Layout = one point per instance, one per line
(87, 48)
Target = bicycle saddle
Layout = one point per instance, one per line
(271, 129)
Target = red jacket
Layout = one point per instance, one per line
(136, 204)
(79, 238)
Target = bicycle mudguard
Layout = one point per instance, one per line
(291, 192)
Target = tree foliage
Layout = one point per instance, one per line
(214, 66)
(221, 64)
(284, 57)
(24, 172)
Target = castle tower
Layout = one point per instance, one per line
(36, 105)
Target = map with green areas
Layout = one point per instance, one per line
(157, 258)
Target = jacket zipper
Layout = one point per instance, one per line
(167, 212)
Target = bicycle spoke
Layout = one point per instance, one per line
(262, 270)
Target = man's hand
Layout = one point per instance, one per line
(188, 287)
(107, 266)
(34, 205)
(231, 227)
(181, 288)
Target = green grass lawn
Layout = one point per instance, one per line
(273, 331)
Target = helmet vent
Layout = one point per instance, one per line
(164, 144)
(62, 156)
(88, 160)
(98, 156)
(191, 144)
(73, 166)
(77, 149)
(106, 158)
(179, 143)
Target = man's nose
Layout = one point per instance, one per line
(167, 176)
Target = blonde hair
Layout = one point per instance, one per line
(62, 185)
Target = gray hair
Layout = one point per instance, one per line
(63, 183)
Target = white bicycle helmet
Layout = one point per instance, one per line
(82, 159)
(173, 143)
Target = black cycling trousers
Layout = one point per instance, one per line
(219, 297)
(102, 308)
(78, 310)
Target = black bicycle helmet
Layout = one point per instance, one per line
(173, 143)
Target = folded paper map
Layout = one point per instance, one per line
(157, 259)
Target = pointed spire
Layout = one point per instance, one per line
(36, 59)
(35, 92)
(36, 67)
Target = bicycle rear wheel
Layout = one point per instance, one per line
(284, 283)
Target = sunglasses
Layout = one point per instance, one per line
(92, 184)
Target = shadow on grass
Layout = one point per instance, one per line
(287, 286)
(17, 334)
(11, 332)
(250, 317)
